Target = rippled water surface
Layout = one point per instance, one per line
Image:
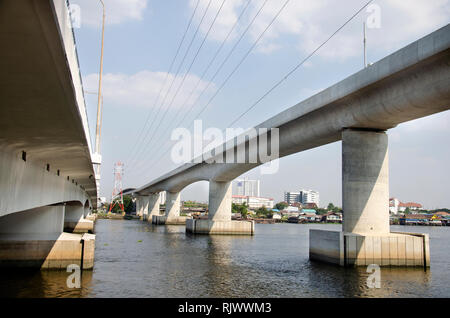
(136, 259)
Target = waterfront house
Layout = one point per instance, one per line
(293, 219)
(415, 219)
(332, 217)
(309, 211)
(276, 216)
(396, 206)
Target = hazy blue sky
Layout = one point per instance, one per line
(141, 39)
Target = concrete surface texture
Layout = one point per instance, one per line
(365, 181)
(219, 215)
(351, 249)
(45, 150)
(212, 227)
(35, 238)
(141, 205)
(153, 204)
(219, 201)
(43, 114)
(57, 253)
(173, 205)
(174, 220)
(74, 220)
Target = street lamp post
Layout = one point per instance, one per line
(97, 156)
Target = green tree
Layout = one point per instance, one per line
(330, 207)
(243, 210)
(240, 208)
(128, 204)
(337, 209)
(321, 211)
(281, 205)
(407, 211)
(263, 212)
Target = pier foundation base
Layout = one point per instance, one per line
(47, 252)
(81, 226)
(91, 217)
(199, 226)
(349, 249)
(164, 220)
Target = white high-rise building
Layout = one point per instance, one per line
(253, 202)
(291, 197)
(309, 196)
(245, 187)
(302, 196)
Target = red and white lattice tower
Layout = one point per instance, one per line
(117, 195)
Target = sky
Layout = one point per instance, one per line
(231, 54)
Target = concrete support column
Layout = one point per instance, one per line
(153, 205)
(172, 205)
(144, 202)
(74, 213)
(365, 238)
(74, 219)
(172, 215)
(142, 206)
(138, 206)
(87, 210)
(44, 222)
(365, 182)
(219, 201)
(219, 215)
(35, 238)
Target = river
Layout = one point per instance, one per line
(137, 259)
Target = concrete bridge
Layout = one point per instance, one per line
(47, 181)
(411, 83)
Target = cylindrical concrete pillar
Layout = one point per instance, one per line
(172, 204)
(219, 201)
(153, 205)
(365, 182)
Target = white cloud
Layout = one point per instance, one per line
(438, 123)
(311, 22)
(227, 18)
(117, 11)
(141, 89)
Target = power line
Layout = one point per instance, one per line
(185, 74)
(175, 77)
(216, 54)
(165, 80)
(246, 54)
(232, 50)
(243, 59)
(209, 66)
(297, 66)
(291, 71)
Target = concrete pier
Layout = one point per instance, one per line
(75, 221)
(142, 207)
(172, 216)
(219, 215)
(35, 238)
(366, 238)
(153, 206)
